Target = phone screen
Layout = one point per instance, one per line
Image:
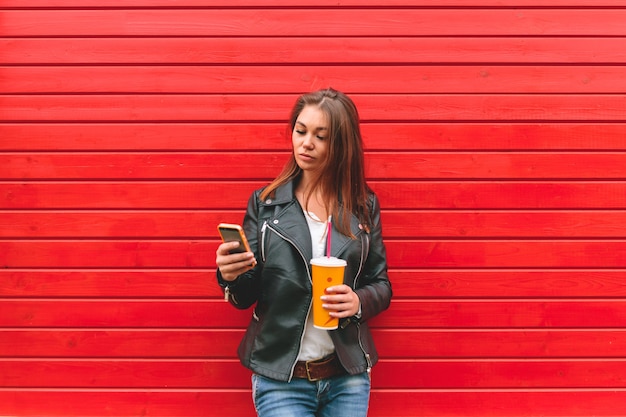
(233, 235)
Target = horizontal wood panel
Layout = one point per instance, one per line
(391, 107)
(407, 283)
(135, 373)
(391, 343)
(400, 254)
(389, 374)
(406, 195)
(103, 223)
(532, 283)
(26, 4)
(361, 50)
(294, 79)
(337, 22)
(267, 165)
(237, 403)
(387, 136)
(557, 224)
(496, 314)
(124, 402)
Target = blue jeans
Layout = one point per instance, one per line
(341, 396)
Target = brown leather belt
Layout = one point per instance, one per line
(315, 370)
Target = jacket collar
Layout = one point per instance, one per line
(286, 194)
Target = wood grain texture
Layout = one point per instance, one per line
(343, 50)
(337, 22)
(494, 137)
(292, 79)
(388, 136)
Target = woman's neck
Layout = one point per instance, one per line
(312, 201)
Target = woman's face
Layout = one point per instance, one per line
(310, 139)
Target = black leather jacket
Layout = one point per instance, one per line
(280, 284)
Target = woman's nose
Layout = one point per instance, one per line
(308, 142)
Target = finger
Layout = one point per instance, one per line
(225, 248)
(338, 289)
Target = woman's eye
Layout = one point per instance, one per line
(321, 137)
(300, 132)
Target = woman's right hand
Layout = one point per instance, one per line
(233, 265)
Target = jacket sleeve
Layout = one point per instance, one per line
(244, 289)
(374, 287)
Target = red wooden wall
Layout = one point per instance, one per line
(496, 140)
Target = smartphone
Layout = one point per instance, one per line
(234, 233)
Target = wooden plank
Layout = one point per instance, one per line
(182, 253)
(407, 283)
(420, 224)
(379, 165)
(167, 283)
(384, 107)
(401, 195)
(498, 402)
(120, 343)
(512, 224)
(387, 136)
(61, 4)
(142, 165)
(516, 373)
(126, 403)
(101, 223)
(408, 344)
(361, 50)
(403, 314)
(391, 22)
(120, 373)
(389, 374)
(294, 79)
(237, 403)
(496, 344)
(517, 283)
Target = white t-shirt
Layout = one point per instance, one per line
(316, 343)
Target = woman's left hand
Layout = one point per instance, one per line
(341, 301)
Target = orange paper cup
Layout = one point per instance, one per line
(327, 272)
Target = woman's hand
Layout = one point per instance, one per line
(233, 265)
(341, 301)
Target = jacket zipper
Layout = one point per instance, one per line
(306, 267)
(368, 359)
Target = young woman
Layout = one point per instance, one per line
(300, 370)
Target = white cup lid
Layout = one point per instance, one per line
(328, 261)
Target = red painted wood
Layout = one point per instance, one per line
(392, 343)
(227, 136)
(267, 165)
(346, 50)
(476, 313)
(124, 402)
(410, 107)
(108, 223)
(237, 403)
(496, 150)
(401, 253)
(389, 374)
(405, 195)
(338, 22)
(407, 283)
(28, 4)
(269, 79)
(202, 223)
(511, 282)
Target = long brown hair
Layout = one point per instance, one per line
(342, 178)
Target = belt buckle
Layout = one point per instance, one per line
(308, 372)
